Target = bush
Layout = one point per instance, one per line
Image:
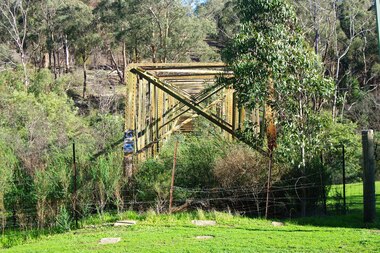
(152, 183)
(195, 159)
(242, 167)
(336, 135)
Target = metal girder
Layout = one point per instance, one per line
(198, 102)
(191, 65)
(178, 95)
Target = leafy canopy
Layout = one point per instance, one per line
(271, 45)
(270, 55)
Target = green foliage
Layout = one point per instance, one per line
(77, 21)
(243, 167)
(37, 128)
(195, 159)
(8, 163)
(63, 221)
(336, 135)
(153, 180)
(42, 82)
(10, 80)
(223, 13)
(270, 48)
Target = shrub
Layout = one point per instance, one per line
(195, 159)
(241, 167)
(152, 183)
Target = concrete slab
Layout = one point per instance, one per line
(277, 224)
(204, 222)
(125, 223)
(204, 237)
(109, 240)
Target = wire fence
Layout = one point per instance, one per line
(306, 195)
(285, 201)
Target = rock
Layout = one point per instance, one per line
(109, 240)
(277, 224)
(204, 237)
(89, 226)
(204, 222)
(125, 223)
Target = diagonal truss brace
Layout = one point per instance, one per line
(187, 101)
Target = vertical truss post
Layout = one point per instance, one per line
(129, 144)
(130, 103)
(149, 119)
(160, 107)
(230, 109)
(139, 118)
(156, 109)
(171, 108)
(241, 118)
(223, 109)
(164, 114)
(143, 117)
(234, 112)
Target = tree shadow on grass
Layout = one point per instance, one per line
(352, 219)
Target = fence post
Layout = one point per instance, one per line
(344, 180)
(321, 174)
(173, 175)
(269, 183)
(369, 176)
(75, 187)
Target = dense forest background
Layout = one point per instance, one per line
(62, 74)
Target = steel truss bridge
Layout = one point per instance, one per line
(164, 98)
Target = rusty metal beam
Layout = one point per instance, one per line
(181, 98)
(152, 66)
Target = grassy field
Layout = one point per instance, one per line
(354, 194)
(176, 233)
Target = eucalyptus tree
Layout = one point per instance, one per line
(343, 34)
(112, 18)
(14, 15)
(225, 17)
(46, 37)
(173, 30)
(275, 67)
(77, 22)
(161, 31)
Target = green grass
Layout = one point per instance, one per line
(354, 216)
(176, 233)
(354, 194)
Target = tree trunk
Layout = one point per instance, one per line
(120, 75)
(124, 61)
(303, 156)
(54, 65)
(166, 38)
(154, 60)
(84, 77)
(58, 63)
(316, 27)
(50, 60)
(271, 133)
(23, 62)
(46, 61)
(67, 55)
